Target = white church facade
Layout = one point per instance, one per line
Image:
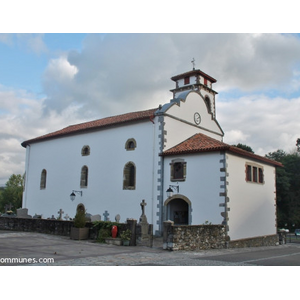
(112, 164)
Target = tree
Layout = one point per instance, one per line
(244, 147)
(298, 145)
(12, 193)
(288, 188)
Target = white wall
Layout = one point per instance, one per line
(252, 205)
(201, 187)
(63, 161)
(182, 125)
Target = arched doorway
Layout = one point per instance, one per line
(178, 210)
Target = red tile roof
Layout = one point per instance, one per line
(201, 143)
(96, 125)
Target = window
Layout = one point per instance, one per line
(130, 144)
(84, 177)
(205, 81)
(186, 80)
(43, 179)
(85, 151)
(254, 173)
(178, 170)
(207, 102)
(129, 175)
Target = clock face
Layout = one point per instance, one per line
(197, 118)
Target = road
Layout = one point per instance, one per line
(24, 248)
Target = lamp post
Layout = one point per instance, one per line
(73, 195)
(170, 190)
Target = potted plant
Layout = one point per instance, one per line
(79, 231)
(125, 237)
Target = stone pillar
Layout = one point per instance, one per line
(132, 226)
(168, 235)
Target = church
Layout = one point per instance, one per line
(172, 156)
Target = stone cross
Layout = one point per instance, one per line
(143, 204)
(8, 207)
(106, 214)
(60, 212)
(193, 62)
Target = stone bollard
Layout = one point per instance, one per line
(168, 235)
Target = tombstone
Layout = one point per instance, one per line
(117, 218)
(106, 214)
(66, 217)
(95, 218)
(8, 207)
(36, 216)
(53, 218)
(143, 229)
(143, 218)
(23, 213)
(60, 212)
(88, 217)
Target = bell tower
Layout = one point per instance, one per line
(197, 81)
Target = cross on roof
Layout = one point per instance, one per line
(193, 62)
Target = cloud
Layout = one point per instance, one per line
(31, 42)
(258, 84)
(265, 124)
(120, 72)
(21, 119)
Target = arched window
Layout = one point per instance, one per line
(43, 179)
(85, 151)
(84, 177)
(208, 105)
(129, 175)
(130, 144)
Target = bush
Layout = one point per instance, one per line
(79, 220)
(104, 229)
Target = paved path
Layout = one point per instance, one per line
(24, 248)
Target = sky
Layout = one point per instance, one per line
(49, 81)
(62, 65)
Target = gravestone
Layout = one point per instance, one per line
(95, 218)
(60, 212)
(106, 214)
(144, 229)
(23, 213)
(66, 217)
(88, 217)
(143, 218)
(117, 218)
(36, 216)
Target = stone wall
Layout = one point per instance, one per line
(63, 228)
(203, 237)
(268, 240)
(56, 227)
(193, 237)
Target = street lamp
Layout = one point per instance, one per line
(170, 190)
(73, 195)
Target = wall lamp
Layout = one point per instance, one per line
(73, 195)
(170, 190)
